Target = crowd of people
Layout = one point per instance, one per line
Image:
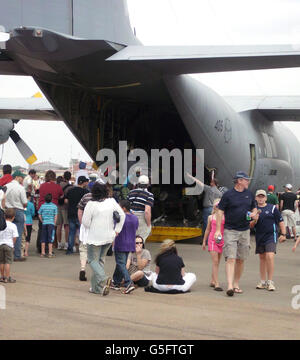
(83, 208)
(88, 209)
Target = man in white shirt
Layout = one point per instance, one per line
(28, 182)
(16, 199)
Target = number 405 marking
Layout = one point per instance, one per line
(296, 299)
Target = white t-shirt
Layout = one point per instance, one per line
(7, 235)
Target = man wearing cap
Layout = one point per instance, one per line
(73, 197)
(141, 201)
(288, 206)
(238, 205)
(266, 224)
(16, 199)
(271, 197)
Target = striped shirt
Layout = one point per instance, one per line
(84, 200)
(48, 211)
(139, 198)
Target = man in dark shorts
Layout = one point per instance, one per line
(266, 223)
(236, 204)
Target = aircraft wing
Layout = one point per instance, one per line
(175, 60)
(275, 108)
(27, 108)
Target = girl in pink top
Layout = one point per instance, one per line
(214, 248)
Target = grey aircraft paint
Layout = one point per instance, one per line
(97, 76)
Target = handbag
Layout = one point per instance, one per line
(116, 217)
(2, 220)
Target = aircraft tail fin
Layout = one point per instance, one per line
(90, 19)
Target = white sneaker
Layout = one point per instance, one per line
(74, 249)
(65, 246)
(271, 286)
(261, 285)
(60, 246)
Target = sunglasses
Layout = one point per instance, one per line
(139, 243)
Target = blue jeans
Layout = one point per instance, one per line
(19, 221)
(96, 259)
(120, 271)
(205, 214)
(73, 226)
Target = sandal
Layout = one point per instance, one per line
(5, 280)
(238, 290)
(218, 288)
(2, 279)
(212, 285)
(43, 255)
(230, 292)
(11, 280)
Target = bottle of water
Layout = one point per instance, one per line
(219, 239)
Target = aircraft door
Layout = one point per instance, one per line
(252, 160)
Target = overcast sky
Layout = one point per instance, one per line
(177, 22)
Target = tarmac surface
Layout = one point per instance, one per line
(49, 302)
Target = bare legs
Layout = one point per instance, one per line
(266, 266)
(216, 258)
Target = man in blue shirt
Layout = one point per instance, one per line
(266, 224)
(236, 204)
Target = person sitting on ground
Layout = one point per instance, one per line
(266, 221)
(169, 273)
(48, 217)
(138, 264)
(8, 238)
(29, 214)
(124, 244)
(215, 247)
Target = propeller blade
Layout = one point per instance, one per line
(24, 149)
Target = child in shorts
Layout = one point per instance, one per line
(214, 247)
(7, 240)
(48, 217)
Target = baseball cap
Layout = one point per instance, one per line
(241, 175)
(143, 179)
(18, 173)
(82, 179)
(271, 188)
(260, 192)
(288, 186)
(93, 176)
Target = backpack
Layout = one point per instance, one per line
(61, 201)
(2, 220)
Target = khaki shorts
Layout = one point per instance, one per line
(236, 244)
(143, 230)
(83, 251)
(62, 216)
(6, 254)
(289, 218)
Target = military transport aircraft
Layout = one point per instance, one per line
(107, 87)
